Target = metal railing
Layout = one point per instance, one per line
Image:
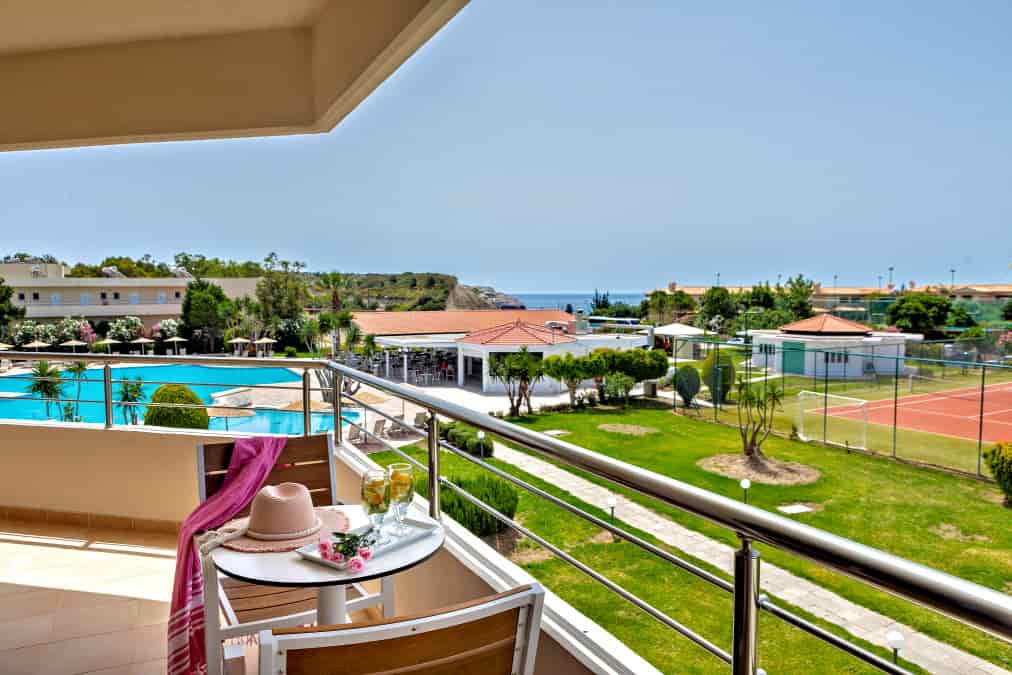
(957, 598)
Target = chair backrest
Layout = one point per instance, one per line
(305, 459)
(496, 635)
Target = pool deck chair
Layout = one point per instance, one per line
(250, 608)
(494, 635)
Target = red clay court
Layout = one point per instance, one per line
(954, 412)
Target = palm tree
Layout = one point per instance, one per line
(343, 321)
(131, 392)
(336, 283)
(77, 370)
(352, 334)
(47, 383)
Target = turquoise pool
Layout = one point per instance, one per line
(221, 378)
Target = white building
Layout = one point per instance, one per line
(829, 346)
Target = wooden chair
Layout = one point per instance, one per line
(495, 635)
(249, 608)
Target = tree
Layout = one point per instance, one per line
(47, 383)
(1006, 312)
(687, 384)
(716, 302)
(795, 297)
(180, 408)
(720, 380)
(131, 392)
(761, 296)
(335, 284)
(569, 308)
(596, 367)
(282, 290)
(617, 386)
(960, 318)
(77, 370)
(530, 372)
(9, 312)
(343, 322)
(311, 334)
(599, 302)
(756, 406)
(204, 310)
(503, 367)
(569, 370)
(919, 312)
(663, 307)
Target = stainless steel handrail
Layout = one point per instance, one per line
(982, 607)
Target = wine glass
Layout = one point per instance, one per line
(402, 491)
(376, 500)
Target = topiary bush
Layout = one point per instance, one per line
(182, 418)
(466, 438)
(687, 384)
(291, 352)
(725, 384)
(496, 492)
(999, 460)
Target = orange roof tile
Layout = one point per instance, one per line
(826, 324)
(516, 333)
(451, 321)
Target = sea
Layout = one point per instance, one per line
(578, 300)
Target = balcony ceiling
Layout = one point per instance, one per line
(94, 72)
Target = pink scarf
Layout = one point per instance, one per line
(252, 459)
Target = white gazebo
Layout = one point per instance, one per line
(680, 331)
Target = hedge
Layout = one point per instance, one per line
(496, 492)
(999, 460)
(183, 418)
(466, 438)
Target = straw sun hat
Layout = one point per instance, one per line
(282, 518)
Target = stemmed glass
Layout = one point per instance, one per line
(376, 500)
(402, 491)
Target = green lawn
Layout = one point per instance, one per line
(695, 603)
(950, 523)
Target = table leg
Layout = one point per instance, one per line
(331, 606)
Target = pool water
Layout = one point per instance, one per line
(221, 378)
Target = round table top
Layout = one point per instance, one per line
(291, 569)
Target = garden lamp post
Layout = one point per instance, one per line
(745, 485)
(612, 503)
(481, 442)
(895, 640)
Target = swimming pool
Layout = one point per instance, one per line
(221, 378)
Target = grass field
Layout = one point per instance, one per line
(696, 604)
(947, 522)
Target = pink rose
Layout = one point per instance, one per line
(326, 547)
(365, 553)
(356, 564)
(337, 556)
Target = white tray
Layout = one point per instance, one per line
(417, 530)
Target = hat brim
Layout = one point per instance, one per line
(331, 520)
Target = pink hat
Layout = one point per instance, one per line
(282, 518)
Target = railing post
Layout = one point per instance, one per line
(338, 414)
(980, 419)
(107, 382)
(433, 429)
(307, 410)
(746, 610)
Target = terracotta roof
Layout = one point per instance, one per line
(516, 333)
(451, 321)
(826, 324)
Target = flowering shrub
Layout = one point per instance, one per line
(86, 333)
(126, 329)
(167, 328)
(28, 331)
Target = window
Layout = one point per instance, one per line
(21, 297)
(162, 298)
(85, 298)
(35, 296)
(115, 295)
(103, 295)
(55, 299)
(135, 298)
(178, 295)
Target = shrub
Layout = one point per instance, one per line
(726, 373)
(183, 418)
(999, 460)
(466, 438)
(291, 352)
(591, 399)
(496, 492)
(687, 384)
(618, 386)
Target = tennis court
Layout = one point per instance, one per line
(953, 412)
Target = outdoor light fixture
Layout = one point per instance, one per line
(745, 485)
(895, 640)
(612, 503)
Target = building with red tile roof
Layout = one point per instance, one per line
(518, 333)
(446, 322)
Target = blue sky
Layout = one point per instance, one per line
(563, 146)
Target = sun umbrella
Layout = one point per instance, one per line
(36, 345)
(370, 398)
(177, 340)
(225, 413)
(74, 343)
(4, 346)
(264, 341)
(296, 405)
(238, 341)
(108, 342)
(142, 341)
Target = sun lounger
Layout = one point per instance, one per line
(379, 428)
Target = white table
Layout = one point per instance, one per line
(291, 569)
